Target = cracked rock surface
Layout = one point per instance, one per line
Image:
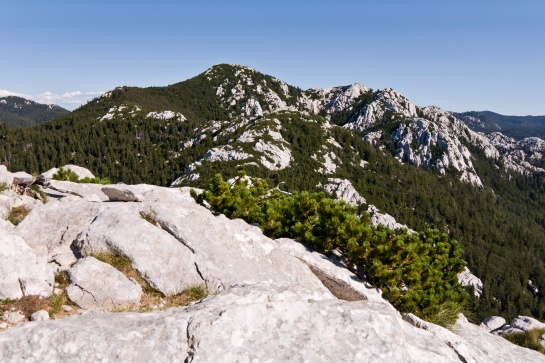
(95, 285)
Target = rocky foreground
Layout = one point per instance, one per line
(270, 300)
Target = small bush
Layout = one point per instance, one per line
(17, 214)
(529, 339)
(69, 175)
(3, 186)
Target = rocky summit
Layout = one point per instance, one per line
(268, 300)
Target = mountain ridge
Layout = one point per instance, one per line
(20, 112)
(421, 165)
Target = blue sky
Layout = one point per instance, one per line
(459, 55)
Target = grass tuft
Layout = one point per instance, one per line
(529, 339)
(17, 214)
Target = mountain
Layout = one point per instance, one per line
(517, 127)
(20, 112)
(421, 165)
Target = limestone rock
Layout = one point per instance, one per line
(5, 206)
(21, 273)
(52, 228)
(164, 262)
(40, 315)
(120, 193)
(339, 280)
(526, 323)
(95, 285)
(80, 172)
(229, 252)
(494, 322)
(344, 190)
(6, 178)
(466, 278)
(88, 192)
(13, 317)
(258, 322)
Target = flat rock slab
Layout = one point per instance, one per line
(95, 285)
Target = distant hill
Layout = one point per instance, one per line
(517, 127)
(20, 112)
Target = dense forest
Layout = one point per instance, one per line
(500, 227)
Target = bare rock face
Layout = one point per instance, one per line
(21, 272)
(258, 322)
(526, 323)
(272, 300)
(6, 178)
(95, 285)
(40, 315)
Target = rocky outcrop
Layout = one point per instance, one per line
(466, 278)
(78, 170)
(271, 299)
(22, 273)
(95, 285)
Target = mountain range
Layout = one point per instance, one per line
(20, 112)
(424, 166)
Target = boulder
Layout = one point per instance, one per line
(40, 315)
(121, 193)
(13, 317)
(52, 228)
(526, 323)
(95, 285)
(21, 272)
(492, 323)
(164, 262)
(80, 172)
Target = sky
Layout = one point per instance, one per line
(459, 55)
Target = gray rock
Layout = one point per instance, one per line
(494, 322)
(66, 308)
(22, 178)
(51, 228)
(13, 317)
(466, 278)
(21, 272)
(121, 193)
(507, 329)
(6, 177)
(338, 279)
(526, 323)
(5, 206)
(40, 315)
(95, 285)
(228, 252)
(164, 262)
(88, 192)
(542, 340)
(261, 322)
(3, 325)
(80, 172)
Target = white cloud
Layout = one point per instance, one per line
(68, 100)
